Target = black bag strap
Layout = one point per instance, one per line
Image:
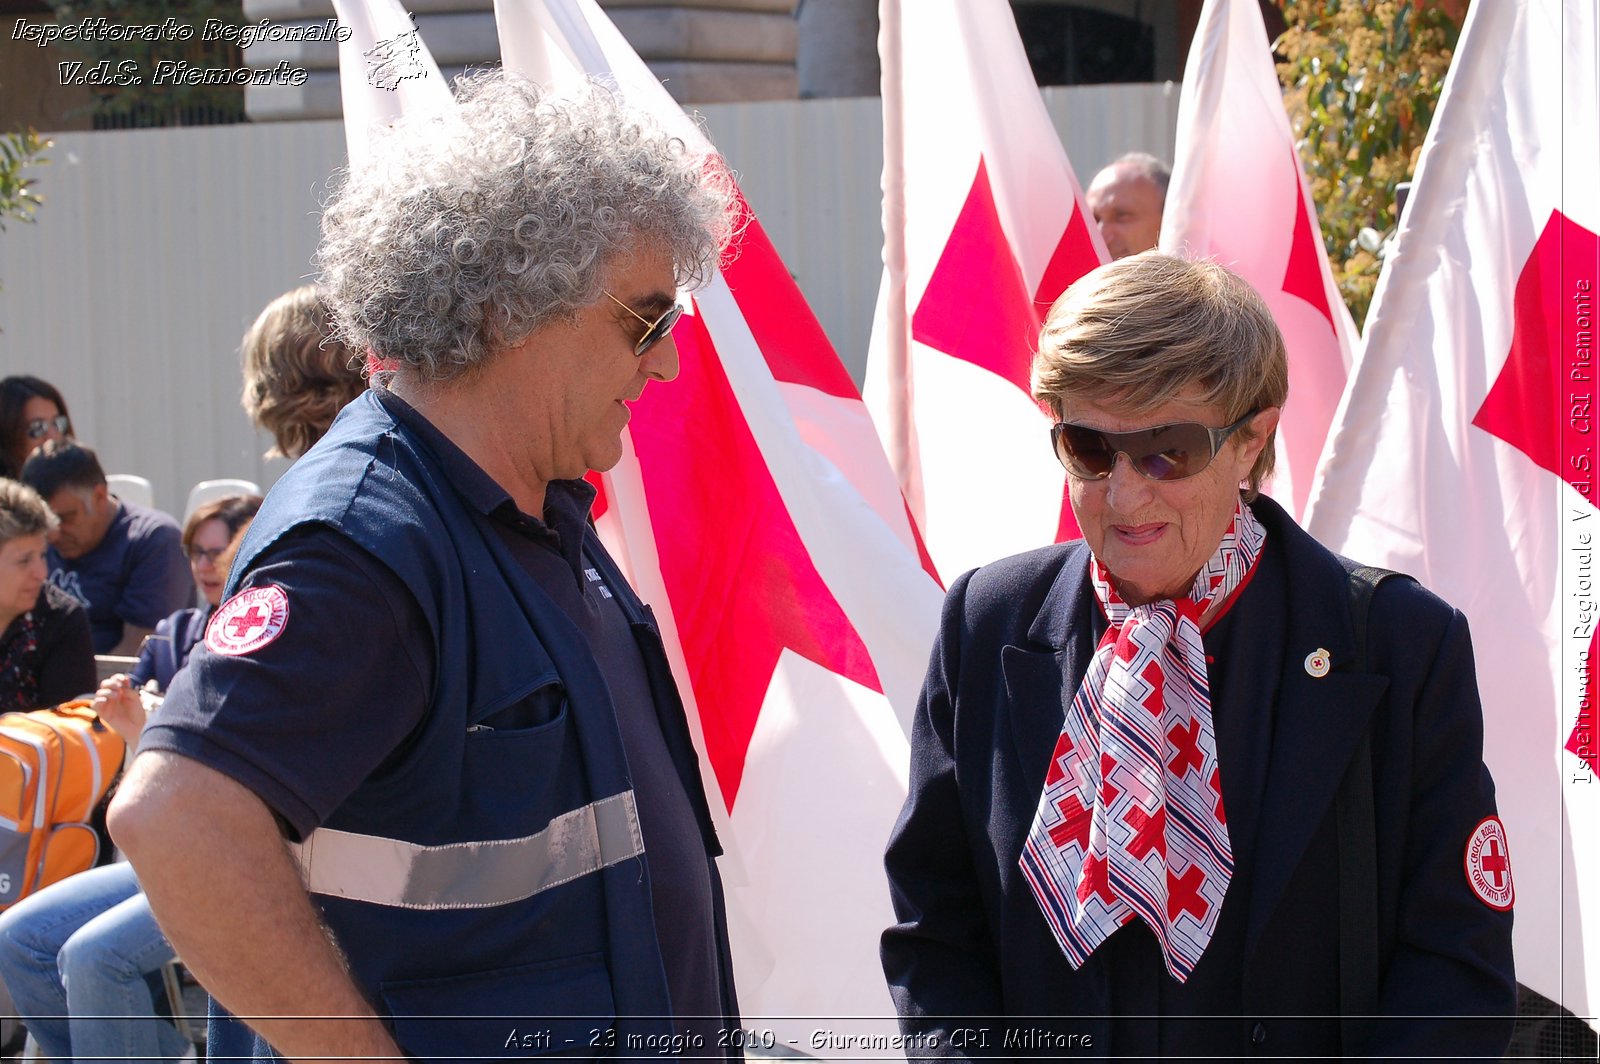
(1358, 845)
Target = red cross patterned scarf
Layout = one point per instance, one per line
(1131, 821)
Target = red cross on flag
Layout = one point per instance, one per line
(984, 226)
(385, 71)
(1238, 196)
(1464, 451)
(754, 508)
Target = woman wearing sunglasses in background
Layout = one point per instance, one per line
(31, 412)
(1165, 800)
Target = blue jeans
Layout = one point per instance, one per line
(75, 957)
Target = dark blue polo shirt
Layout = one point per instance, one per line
(356, 642)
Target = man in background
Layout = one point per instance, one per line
(124, 562)
(1126, 198)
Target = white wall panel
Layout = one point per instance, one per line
(156, 248)
(152, 253)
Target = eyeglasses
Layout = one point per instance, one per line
(40, 427)
(653, 330)
(1165, 452)
(197, 553)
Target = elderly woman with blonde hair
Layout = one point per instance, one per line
(296, 376)
(46, 654)
(1194, 786)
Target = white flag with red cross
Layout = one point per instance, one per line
(1465, 449)
(753, 506)
(1238, 196)
(984, 226)
(385, 71)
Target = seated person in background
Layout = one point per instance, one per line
(45, 654)
(206, 537)
(81, 948)
(32, 412)
(123, 562)
(296, 377)
(75, 956)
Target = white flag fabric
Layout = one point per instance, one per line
(1464, 451)
(1238, 196)
(984, 226)
(385, 71)
(755, 509)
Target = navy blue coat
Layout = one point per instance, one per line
(971, 943)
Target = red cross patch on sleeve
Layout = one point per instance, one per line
(1488, 864)
(248, 621)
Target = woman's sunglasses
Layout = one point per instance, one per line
(39, 427)
(1165, 452)
(653, 330)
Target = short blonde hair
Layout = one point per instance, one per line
(23, 512)
(296, 377)
(1136, 333)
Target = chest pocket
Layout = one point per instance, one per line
(524, 744)
(545, 704)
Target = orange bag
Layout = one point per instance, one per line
(55, 767)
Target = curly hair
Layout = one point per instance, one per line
(470, 229)
(297, 377)
(23, 512)
(1139, 331)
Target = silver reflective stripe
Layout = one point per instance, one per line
(470, 875)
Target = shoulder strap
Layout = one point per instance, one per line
(1357, 823)
(1363, 582)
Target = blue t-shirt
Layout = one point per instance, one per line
(136, 575)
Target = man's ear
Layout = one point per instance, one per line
(101, 497)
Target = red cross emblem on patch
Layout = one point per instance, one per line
(1488, 864)
(248, 621)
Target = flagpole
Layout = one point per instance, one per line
(899, 444)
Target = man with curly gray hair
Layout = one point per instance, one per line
(430, 762)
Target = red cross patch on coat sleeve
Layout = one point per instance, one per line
(1488, 864)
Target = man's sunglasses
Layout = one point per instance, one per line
(40, 426)
(653, 330)
(1165, 452)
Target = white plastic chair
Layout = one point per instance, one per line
(207, 490)
(131, 488)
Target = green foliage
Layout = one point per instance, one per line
(18, 151)
(147, 104)
(1361, 80)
